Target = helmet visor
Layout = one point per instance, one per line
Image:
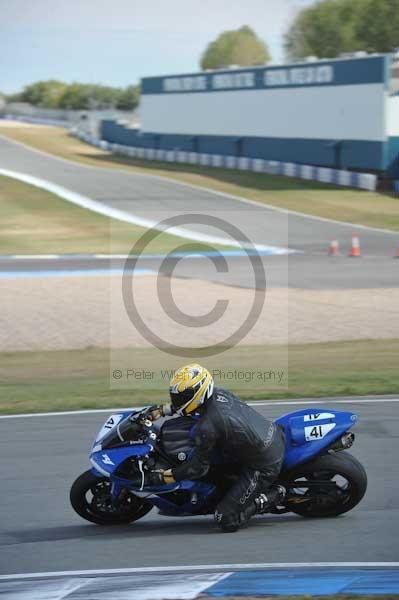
(181, 399)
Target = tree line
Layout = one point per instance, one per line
(331, 27)
(77, 96)
(325, 29)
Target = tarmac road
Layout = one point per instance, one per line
(156, 199)
(41, 456)
(305, 271)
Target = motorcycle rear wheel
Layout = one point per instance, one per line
(90, 497)
(328, 500)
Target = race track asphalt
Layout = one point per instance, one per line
(156, 199)
(41, 456)
(304, 271)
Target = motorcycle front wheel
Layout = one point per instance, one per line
(90, 497)
(328, 486)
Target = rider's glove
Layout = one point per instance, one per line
(158, 478)
(155, 412)
(168, 476)
(153, 479)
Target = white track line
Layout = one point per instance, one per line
(30, 256)
(91, 411)
(120, 215)
(202, 188)
(194, 254)
(199, 568)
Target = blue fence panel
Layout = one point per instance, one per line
(147, 151)
(336, 154)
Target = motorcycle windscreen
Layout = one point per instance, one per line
(125, 431)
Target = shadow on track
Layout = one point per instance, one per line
(138, 530)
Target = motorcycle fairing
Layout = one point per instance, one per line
(201, 491)
(107, 461)
(309, 431)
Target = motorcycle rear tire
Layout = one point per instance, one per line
(316, 502)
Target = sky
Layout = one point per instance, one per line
(116, 42)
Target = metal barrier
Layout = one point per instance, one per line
(364, 181)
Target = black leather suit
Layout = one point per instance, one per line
(242, 435)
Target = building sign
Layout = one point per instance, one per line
(299, 76)
(242, 79)
(184, 84)
(370, 69)
(247, 79)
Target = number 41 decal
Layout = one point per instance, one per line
(318, 432)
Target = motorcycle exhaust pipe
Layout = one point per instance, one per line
(344, 443)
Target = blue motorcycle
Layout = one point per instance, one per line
(321, 478)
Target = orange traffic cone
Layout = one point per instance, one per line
(334, 248)
(355, 249)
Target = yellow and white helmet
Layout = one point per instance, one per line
(190, 386)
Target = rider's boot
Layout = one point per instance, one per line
(261, 505)
(232, 522)
(228, 523)
(274, 496)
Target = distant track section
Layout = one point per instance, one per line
(120, 215)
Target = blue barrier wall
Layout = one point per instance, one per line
(392, 160)
(365, 181)
(353, 154)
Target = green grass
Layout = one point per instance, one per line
(78, 379)
(33, 221)
(366, 208)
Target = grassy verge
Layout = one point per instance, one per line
(78, 379)
(367, 208)
(33, 221)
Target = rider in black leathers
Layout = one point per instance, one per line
(239, 433)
